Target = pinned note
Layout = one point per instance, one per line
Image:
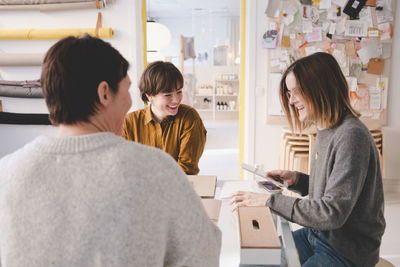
(356, 28)
(375, 66)
(353, 7)
(350, 49)
(375, 101)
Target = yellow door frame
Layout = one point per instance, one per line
(242, 82)
(242, 70)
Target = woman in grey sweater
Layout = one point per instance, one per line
(343, 215)
(88, 197)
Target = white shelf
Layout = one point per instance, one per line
(226, 95)
(208, 109)
(203, 95)
(236, 80)
(227, 110)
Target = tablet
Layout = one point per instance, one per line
(262, 174)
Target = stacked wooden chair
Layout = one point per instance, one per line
(296, 149)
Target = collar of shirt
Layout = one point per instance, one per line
(150, 117)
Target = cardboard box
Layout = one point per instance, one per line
(204, 185)
(212, 207)
(259, 241)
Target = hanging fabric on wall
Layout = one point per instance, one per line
(24, 118)
(51, 5)
(51, 34)
(7, 59)
(24, 89)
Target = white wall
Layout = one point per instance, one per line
(262, 139)
(209, 30)
(124, 17)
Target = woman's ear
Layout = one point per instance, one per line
(149, 97)
(104, 92)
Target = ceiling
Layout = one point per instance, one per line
(188, 8)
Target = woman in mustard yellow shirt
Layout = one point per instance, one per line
(166, 123)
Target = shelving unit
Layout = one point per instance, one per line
(217, 92)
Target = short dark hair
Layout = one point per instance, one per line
(324, 87)
(71, 72)
(159, 77)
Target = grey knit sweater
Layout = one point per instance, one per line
(98, 200)
(345, 193)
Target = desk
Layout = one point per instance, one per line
(230, 249)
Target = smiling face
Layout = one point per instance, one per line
(165, 104)
(296, 99)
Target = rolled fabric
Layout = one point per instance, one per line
(39, 2)
(24, 118)
(50, 34)
(53, 7)
(22, 92)
(25, 83)
(21, 59)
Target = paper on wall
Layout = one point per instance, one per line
(340, 3)
(307, 26)
(362, 101)
(289, 10)
(325, 25)
(305, 12)
(341, 26)
(315, 35)
(382, 84)
(340, 56)
(274, 103)
(352, 82)
(332, 28)
(384, 13)
(273, 8)
(386, 50)
(366, 16)
(356, 28)
(375, 101)
(312, 49)
(376, 116)
(386, 31)
(325, 4)
(364, 55)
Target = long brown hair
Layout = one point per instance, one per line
(323, 86)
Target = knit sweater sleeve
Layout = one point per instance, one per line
(345, 170)
(194, 240)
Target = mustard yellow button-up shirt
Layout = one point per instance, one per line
(183, 136)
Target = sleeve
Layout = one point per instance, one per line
(127, 131)
(192, 142)
(342, 190)
(301, 184)
(194, 240)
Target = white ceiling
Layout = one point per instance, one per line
(187, 8)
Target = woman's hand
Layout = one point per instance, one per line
(280, 176)
(243, 199)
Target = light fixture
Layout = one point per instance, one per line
(158, 36)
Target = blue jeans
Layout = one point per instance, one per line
(314, 250)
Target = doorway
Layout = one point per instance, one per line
(203, 42)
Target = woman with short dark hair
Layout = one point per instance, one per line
(166, 123)
(88, 197)
(343, 215)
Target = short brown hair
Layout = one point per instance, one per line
(71, 72)
(324, 87)
(159, 77)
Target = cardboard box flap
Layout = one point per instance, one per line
(257, 229)
(212, 207)
(204, 185)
